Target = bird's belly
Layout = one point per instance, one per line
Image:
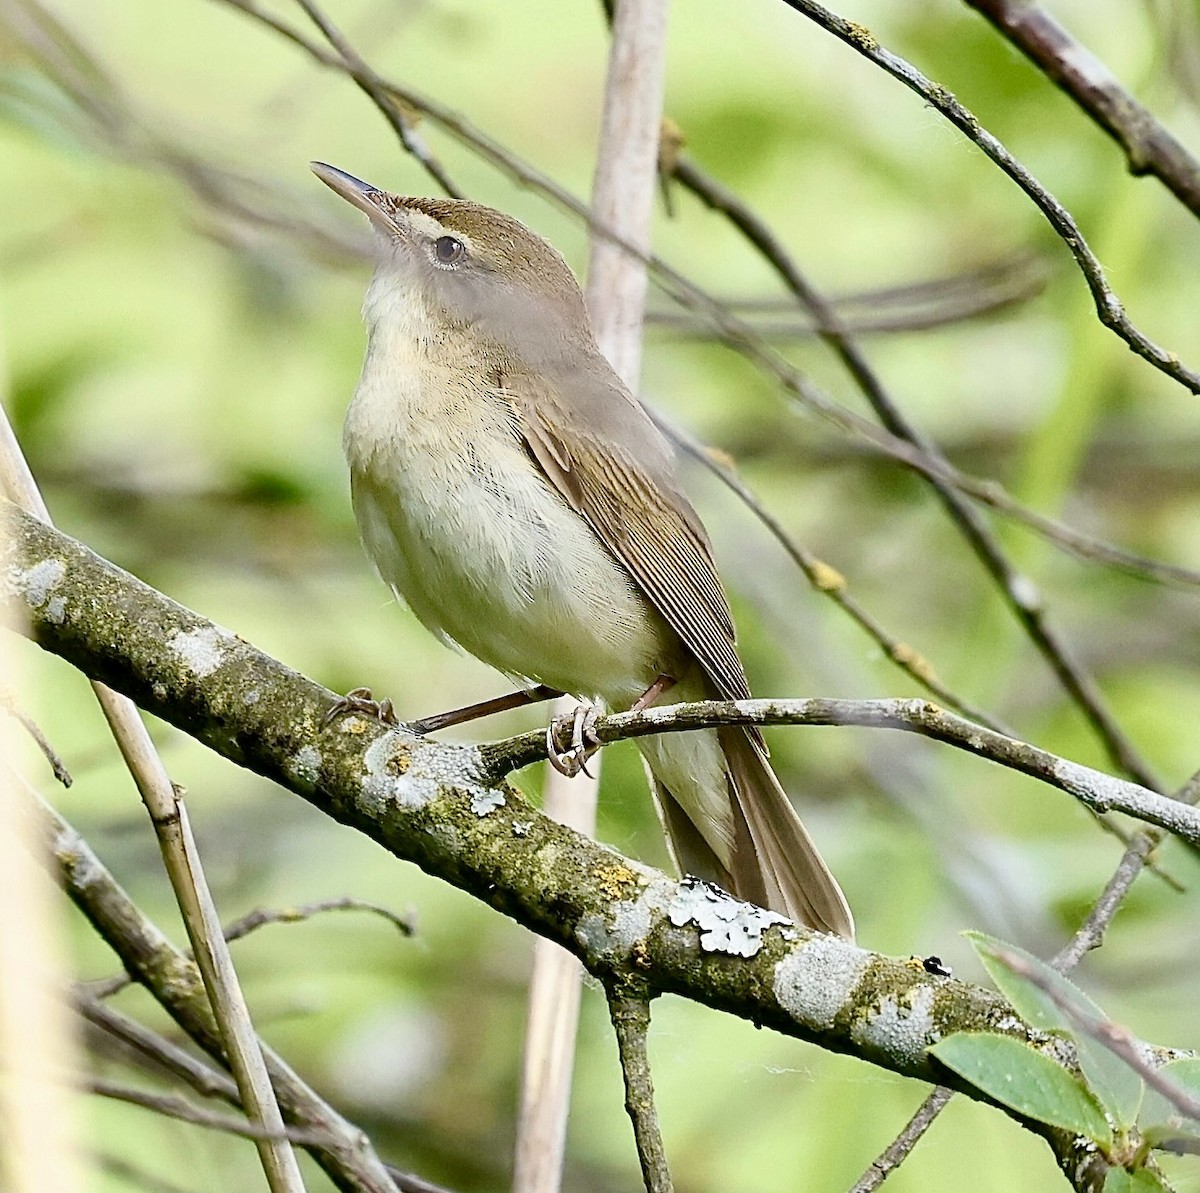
(487, 554)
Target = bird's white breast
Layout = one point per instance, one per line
(466, 529)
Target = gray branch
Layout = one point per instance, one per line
(1149, 147)
(1096, 790)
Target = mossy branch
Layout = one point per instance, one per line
(432, 804)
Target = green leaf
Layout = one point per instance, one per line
(1025, 1080)
(1118, 1087)
(1142, 1181)
(1160, 1111)
(1034, 1005)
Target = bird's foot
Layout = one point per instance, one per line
(360, 700)
(580, 723)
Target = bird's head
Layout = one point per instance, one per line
(469, 267)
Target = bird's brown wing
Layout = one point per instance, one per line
(600, 450)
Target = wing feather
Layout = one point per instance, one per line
(616, 469)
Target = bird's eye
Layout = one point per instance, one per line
(448, 250)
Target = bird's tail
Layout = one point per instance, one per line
(764, 853)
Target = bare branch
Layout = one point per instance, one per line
(1094, 789)
(262, 916)
(174, 1106)
(370, 84)
(918, 306)
(630, 1014)
(899, 1149)
(1149, 147)
(1139, 853)
(107, 987)
(8, 702)
(156, 1048)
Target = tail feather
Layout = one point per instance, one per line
(782, 846)
(772, 861)
(693, 855)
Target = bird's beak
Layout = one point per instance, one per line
(378, 205)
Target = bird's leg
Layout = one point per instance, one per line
(360, 700)
(485, 708)
(664, 683)
(584, 742)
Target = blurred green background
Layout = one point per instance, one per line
(179, 323)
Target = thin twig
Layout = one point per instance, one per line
(919, 306)
(1108, 305)
(8, 702)
(1090, 934)
(1095, 789)
(369, 83)
(236, 929)
(262, 916)
(897, 1151)
(630, 1014)
(1149, 147)
(176, 1107)
(164, 1053)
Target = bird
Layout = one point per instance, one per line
(514, 493)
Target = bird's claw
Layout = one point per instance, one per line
(360, 700)
(584, 742)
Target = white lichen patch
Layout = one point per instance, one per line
(592, 933)
(627, 923)
(251, 696)
(201, 650)
(37, 584)
(397, 774)
(390, 776)
(727, 925)
(815, 982)
(630, 919)
(485, 800)
(56, 610)
(520, 828)
(304, 766)
(901, 1026)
